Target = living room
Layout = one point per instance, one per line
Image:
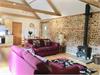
(54, 29)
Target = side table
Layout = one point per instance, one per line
(62, 49)
(94, 66)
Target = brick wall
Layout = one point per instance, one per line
(72, 28)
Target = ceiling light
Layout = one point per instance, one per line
(1, 20)
(14, 3)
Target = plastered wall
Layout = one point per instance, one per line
(25, 25)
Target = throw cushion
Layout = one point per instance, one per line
(47, 42)
(36, 43)
(42, 43)
(30, 41)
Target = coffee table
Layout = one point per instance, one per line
(94, 66)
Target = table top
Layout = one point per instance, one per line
(95, 67)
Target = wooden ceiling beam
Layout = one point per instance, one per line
(20, 6)
(14, 5)
(54, 7)
(17, 15)
(92, 2)
(31, 8)
(32, 1)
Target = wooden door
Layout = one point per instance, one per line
(17, 33)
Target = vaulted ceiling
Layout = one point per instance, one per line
(45, 9)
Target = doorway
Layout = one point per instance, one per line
(17, 33)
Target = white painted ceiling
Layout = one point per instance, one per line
(18, 1)
(41, 4)
(66, 7)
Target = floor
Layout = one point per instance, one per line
(4, 70)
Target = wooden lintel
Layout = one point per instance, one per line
(24, 7)
(54, 7)
(31, 8)
(94, 3)
(17, 15)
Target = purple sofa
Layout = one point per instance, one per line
(23, 63)
(18, 65)
(44, 47)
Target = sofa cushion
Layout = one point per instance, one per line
(36, 43)
(30, 41)
(42, 43)
(32, 60)
(47, 42)
(17, 50)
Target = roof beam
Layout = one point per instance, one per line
(32, 1)
(31, 8)
(20, 6)
(17, 15)
(53, 7)
(92, 2)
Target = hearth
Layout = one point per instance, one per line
(85, 50)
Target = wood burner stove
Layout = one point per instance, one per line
(85, 49)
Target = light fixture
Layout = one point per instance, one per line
(31, 25)
(1, 21)
(13, 3)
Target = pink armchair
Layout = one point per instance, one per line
(20, 66)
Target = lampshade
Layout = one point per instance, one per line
(1, 20)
